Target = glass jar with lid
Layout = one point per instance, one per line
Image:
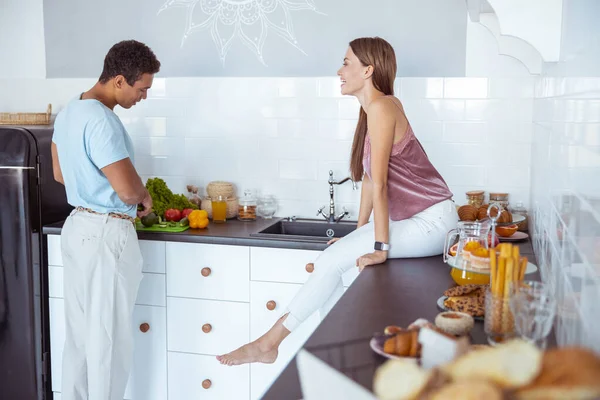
(267, 206)
(247, 207)
(499, 198)
(475, 198)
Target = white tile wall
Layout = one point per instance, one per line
(282, 135)
(565, 176)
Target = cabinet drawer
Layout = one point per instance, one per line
(148, 378)
(263, 375)
(207, 326)
(204, 271)
(153, 253)
(189, 372)
(280, 265)
(151, 291)
(54, 252)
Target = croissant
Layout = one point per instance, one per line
(403, 344)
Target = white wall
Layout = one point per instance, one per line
(22, 50)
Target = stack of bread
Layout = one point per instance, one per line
(405, 342)
(514, 370)
(471, 213)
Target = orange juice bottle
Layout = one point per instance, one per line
(219, 209)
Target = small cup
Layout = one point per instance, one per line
(219, 209)
(499, 324)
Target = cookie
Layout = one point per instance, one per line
(464, 290)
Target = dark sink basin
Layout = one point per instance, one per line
(306, 230)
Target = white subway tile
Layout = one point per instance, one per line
(435, 110)
(158, 146)
(342, 129)
(161, 165)
(140, 126)
(457, 153)
(419, 88)
(341, 169)
(297, 87)
(508, 176)
(463, 175)
(499, 110)
(511, 88)
(465, 88)
(349, 108)
(157, 107)
(297, 169)
(473, 132)
(427, 131)
(329, 87)
(298, 128)
(158, 88)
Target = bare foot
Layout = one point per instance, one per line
(250, 353)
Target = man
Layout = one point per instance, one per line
(92, 155)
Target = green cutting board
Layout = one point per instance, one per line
(171, 229)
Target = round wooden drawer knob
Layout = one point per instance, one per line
(206, 384)
(271, 305)
(206, 271)
(145, 327)
(310, 267)
(206, 328)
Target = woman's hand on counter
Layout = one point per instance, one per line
(332, 241)
(377, 257)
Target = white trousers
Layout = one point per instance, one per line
(102, 272)
(422, 235)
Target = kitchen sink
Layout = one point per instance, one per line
(306, 230)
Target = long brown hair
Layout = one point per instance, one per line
(378, 53)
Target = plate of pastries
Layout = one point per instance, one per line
(469, 212)
(399, 343)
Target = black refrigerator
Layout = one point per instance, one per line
(29, 199)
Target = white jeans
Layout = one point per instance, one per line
(422, 235)
(102, 273)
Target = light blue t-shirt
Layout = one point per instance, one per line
(89, 136)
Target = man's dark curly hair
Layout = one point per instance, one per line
(131, 59)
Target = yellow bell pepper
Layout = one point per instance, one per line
(198, 219)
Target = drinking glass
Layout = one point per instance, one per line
(219, 209)
(534, 309)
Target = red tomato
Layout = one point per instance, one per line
(186, 212)
(173, 214)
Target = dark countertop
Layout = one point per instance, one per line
(233, 232)
(394, 293)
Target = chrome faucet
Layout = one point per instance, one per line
(332, 217)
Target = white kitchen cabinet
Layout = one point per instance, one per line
(57, 396)
(193, 376)
(207, 326)
(205, 271)
(280, 265)
(153, 253)
(268, 302)
(151, 291)
(54, 252)
(148, 378)
(287, 265)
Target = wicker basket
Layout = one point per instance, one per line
(26, 118)
(220, 188)
(232, 207)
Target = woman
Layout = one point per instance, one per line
(409, 199)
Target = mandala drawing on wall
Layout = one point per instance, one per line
(250, 21)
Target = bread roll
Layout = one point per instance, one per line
(511, 365)
(468, 390)
(567, 373)
(400, 380)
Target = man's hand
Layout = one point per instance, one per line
(377, 257)
(147, 204)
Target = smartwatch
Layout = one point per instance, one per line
(382, 246)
